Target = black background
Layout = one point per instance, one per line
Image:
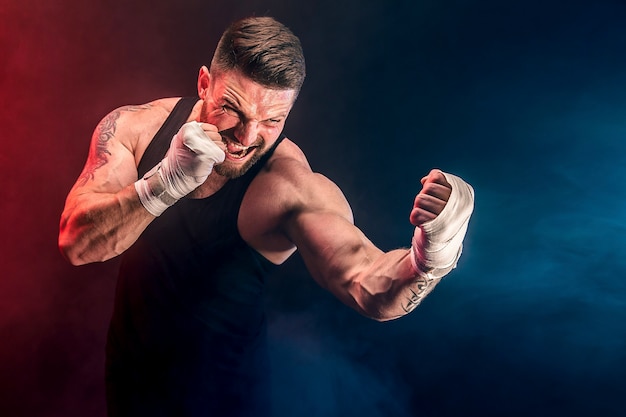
(524, 99)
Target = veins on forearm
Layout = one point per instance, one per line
(105, 131)
(420, 288)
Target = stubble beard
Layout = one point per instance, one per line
(232, 172)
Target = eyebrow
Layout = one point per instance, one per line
(230, 102)
(237, 108)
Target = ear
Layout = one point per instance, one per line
(204, 81)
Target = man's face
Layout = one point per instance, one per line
(250, 118)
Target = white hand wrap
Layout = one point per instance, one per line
(186, 166)
(437, 244)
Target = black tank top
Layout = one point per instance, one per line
(187, 337)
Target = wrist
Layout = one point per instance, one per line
(153, 193)
(429, 263)
(418, 263)
(157, 189)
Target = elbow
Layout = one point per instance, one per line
(79, 249)
(69, 250)
(74, 244)
(68, 242)
(381, 305)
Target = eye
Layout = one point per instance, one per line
(229, 111)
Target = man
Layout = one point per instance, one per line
(205, 197)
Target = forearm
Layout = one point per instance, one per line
(379, 285)
(390, 287)
(398, 281)
(96, 227)
(100, 222)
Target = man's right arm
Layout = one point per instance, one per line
(103, 215)
(108, 207)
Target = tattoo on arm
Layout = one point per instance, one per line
(105, 130)
(420, 289)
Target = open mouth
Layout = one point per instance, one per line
(236, 151)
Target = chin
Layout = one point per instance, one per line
(232, 171)
(229, 171)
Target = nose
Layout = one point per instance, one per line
(247, 132)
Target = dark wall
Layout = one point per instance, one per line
(524, 99)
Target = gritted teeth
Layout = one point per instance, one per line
(237, 150)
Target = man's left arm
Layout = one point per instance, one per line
(381, 285)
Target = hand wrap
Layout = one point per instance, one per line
(437, 244)
(188, 163)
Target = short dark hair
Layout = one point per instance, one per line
(264, 50)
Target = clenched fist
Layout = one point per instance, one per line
(441, 214)
(193, 152)
(432, 199)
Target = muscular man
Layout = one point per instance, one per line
(205, 198)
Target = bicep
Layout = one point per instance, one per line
(110, 164)
(334, 250)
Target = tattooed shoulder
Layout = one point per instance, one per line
(105, 131)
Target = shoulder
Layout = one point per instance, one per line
(134, 126)
(126, 117)
(285, 190)
(296, 186)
